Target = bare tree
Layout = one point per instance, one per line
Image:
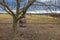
(20, 13)
(16, 16)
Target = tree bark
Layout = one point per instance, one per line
(14, 28)
(22, 22)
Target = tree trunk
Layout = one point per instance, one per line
(22, 22)
(14, 28)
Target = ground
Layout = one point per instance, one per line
(39, 27)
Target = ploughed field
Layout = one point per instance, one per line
(39, 27)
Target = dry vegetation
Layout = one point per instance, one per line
(39, 27)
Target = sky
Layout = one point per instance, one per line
(43, 0)
(12, 4)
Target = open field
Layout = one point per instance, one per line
(4, 18)
(39, 27)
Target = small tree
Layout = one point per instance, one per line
(20, 13)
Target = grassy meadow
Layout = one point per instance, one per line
(36, 28)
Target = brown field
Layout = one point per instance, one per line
(39, 27)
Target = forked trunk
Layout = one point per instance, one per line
(22, 22)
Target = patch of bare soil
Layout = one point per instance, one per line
(31, 32)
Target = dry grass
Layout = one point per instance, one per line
(4, 18)
(33, 31)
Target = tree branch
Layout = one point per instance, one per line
(30, 2)
(18, 7)
(6, 10)
(6, 6)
